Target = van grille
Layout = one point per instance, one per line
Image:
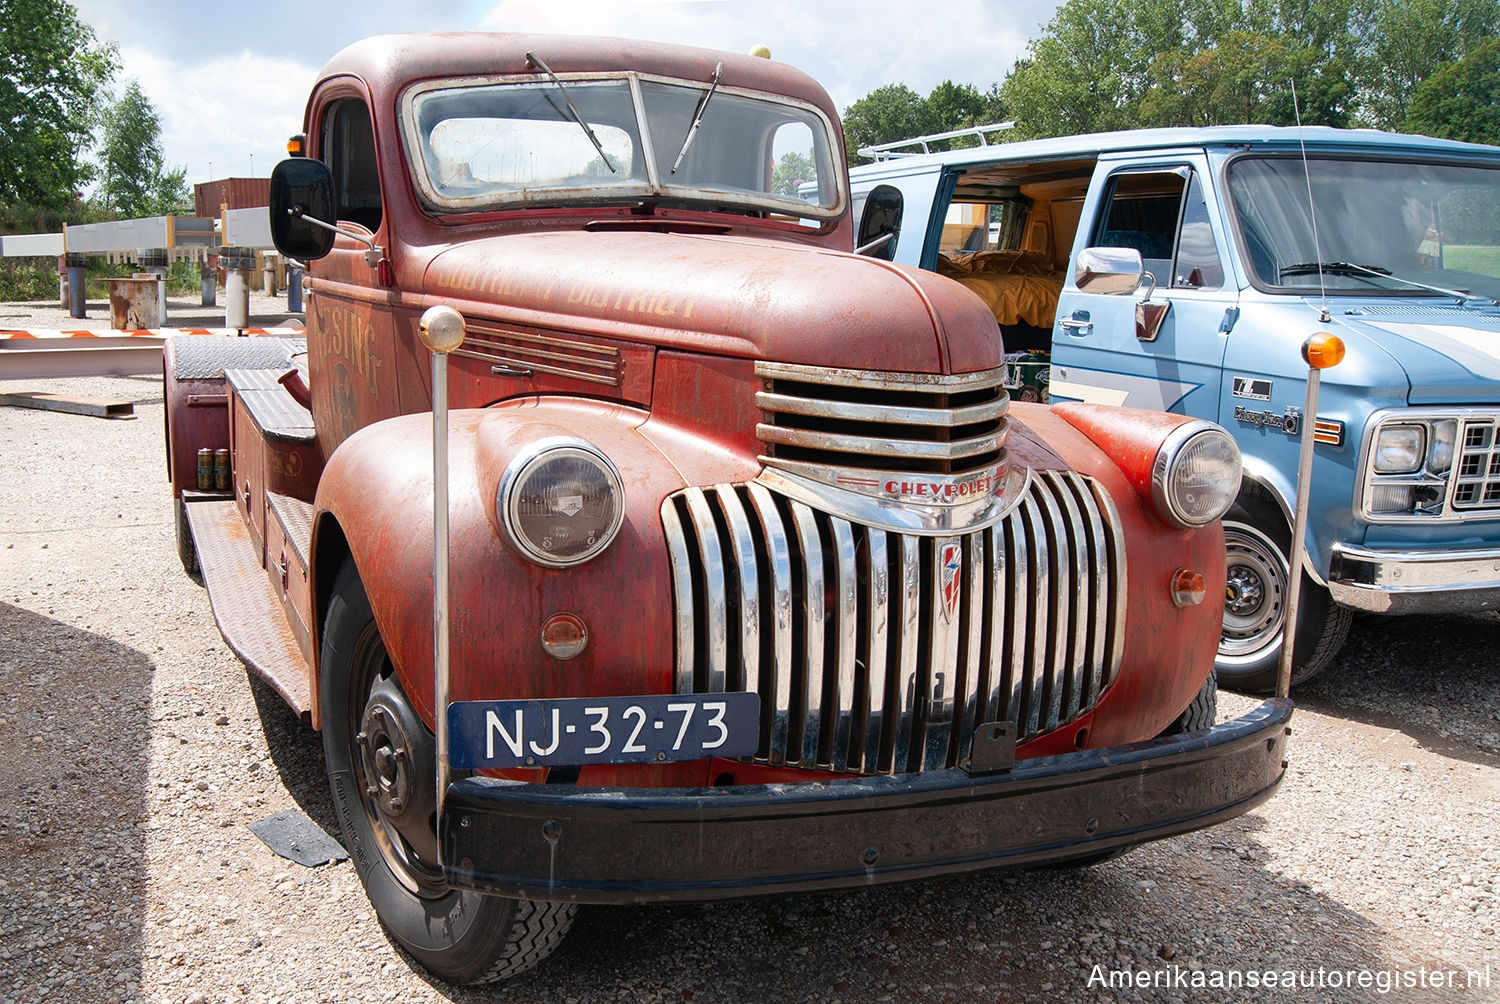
(880, 652)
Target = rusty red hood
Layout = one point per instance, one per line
(733, 296)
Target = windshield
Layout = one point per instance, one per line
(1378, 223)
(490, 146)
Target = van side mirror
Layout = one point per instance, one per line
(302, 198)
(1118, 272)
(880, 223)
(1108, 271)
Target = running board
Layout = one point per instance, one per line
(246, 607)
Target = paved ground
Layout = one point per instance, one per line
(135, 751)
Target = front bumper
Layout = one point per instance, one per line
(633, 845)
(1414, 582)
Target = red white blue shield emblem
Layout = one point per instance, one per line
(951, 564)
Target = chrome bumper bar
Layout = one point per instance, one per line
(1414, 582)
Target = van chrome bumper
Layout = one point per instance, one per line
(1414, 582)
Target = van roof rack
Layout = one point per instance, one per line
(891, 151)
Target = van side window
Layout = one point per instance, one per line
(349, 149)
(1163, 215)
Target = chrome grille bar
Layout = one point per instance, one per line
(881, 652)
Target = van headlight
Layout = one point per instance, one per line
(561, 502)
(1196, 475)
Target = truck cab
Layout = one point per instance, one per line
(759, 579)
(1245, 240)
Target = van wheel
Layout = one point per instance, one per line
(381, 761)
(1257, 540)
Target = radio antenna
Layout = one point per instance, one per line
(1312, 213)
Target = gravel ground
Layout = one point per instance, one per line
(135, 749)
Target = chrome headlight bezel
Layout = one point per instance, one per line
(1173, 470)
(529, 463)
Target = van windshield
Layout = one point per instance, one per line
(486, 145)
(1382, 226)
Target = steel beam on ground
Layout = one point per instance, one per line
(72, 405)
(22, 361)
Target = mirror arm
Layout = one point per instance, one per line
(374, 252)
(877, 243)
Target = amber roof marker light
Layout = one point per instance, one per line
(1324, 350)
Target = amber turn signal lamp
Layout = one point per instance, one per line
(295, 144)
(1188, 588)
(564, 635)
(1323, 350)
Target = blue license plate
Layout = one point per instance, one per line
(568, 731)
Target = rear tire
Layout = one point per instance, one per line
(1257, 542)
(382, 770)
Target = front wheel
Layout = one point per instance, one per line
(381, 761)
(1257, 541)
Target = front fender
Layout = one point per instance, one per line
(378, 487)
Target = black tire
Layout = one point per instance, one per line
(386, 801)
(1199, 715)
(1257, 541)
(187, 549)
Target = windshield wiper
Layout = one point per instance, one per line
(687, 140)
(1348, 268)
(1336, 267)
(536, 61)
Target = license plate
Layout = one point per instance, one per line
(569, 731)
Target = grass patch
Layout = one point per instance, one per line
(1481, 258)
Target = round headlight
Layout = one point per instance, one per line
(561, 502)
(1196, 475)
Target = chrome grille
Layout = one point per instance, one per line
(1476, 476)
(863, 420)
(881, 652)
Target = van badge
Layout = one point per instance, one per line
(1254, 389)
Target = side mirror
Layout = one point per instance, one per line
(1109, 271)
(301, 199)
(880, 223)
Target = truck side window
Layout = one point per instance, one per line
(349, 149)
(1163, 215)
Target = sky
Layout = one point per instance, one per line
(230, 81)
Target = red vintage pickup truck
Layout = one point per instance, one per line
(759, 582)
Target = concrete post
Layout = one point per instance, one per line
(208, 283)
(294, 289)
(154, 261)
(237, 264)
(77, 295)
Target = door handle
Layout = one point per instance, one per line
(1079, 322)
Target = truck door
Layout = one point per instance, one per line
(351, 350)
(1167, 213)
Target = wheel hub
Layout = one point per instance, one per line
(397, 757)
(1244, 591)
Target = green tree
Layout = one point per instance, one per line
(1407, 41)
(55, 73)
(886, 114)
(1461, 100)
(896, 112)
(1090, 69)
(791, 171)
(136, 181)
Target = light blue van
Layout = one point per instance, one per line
(1182, 269)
